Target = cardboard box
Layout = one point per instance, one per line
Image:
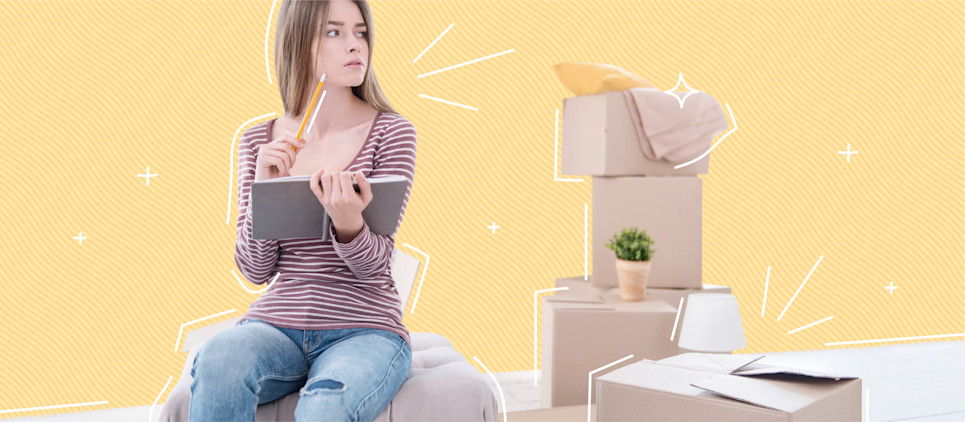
(668, 208)
(696, 386)
(583, 331)
(671, 296)
(578, 285)
(599, 140)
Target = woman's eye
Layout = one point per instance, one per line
(335, 30)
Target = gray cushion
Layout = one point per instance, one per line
(442, 386)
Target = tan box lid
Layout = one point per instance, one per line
(652, 375)
(789, 393)
(576, 297)
(785, 389)
(747, 365)
(607, 300)
(709, 362)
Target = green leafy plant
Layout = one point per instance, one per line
(632, 245)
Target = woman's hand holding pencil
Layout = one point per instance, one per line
(277, 157)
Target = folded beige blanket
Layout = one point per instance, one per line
(666, 131)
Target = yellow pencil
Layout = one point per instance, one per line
(311, 105)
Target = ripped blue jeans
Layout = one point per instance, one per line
(349, 374)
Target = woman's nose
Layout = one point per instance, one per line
(353, 44)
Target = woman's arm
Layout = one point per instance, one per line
(368, 254)
(256, 258)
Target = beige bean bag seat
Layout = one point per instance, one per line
(442, 385)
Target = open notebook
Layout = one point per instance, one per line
(286, 207)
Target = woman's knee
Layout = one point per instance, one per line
(222, 356)
(342, 395)
(323, 399)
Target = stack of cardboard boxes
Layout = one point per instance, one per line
(588, 325)
(631, 191)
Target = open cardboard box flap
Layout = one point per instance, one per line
(784, 392)
(709, 362)
(741, 377)
(760, 369)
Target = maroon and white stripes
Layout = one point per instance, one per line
(328, 284)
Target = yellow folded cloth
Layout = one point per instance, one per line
(596, 78)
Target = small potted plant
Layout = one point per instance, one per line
(633, 249)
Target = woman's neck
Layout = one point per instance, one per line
(339, 111)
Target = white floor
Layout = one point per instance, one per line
(517, 388)
(912, 382)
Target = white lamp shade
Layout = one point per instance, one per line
(712, 323)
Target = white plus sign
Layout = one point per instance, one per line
(148, 176)
(493, 227)
(848, 152)
(891, 287)
(80, 238)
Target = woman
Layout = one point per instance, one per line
(330, 325)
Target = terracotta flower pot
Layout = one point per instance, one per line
(632, 279)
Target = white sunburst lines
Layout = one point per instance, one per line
(767, 283)
(502, 397)
(810, 325)
(317, 107)
(828, 318)
(243, 286)
(680, 307)
(231, 162)
(691, 91)
(57, 406)
(466, 63)
(267, 30)
(535, 305)
(800, 287)
(433, 43)
(448, 102)
(450, 68)
(151, 415)
(425, 269)
(701, 156)
(181, 330)
(589, 383)
(176, 344)
(886, 340)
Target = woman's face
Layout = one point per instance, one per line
(342, 40)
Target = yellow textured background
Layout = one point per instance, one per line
(94, 92)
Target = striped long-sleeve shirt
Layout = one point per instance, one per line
(328, 284)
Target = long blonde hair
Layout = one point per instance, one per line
(293, 42)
